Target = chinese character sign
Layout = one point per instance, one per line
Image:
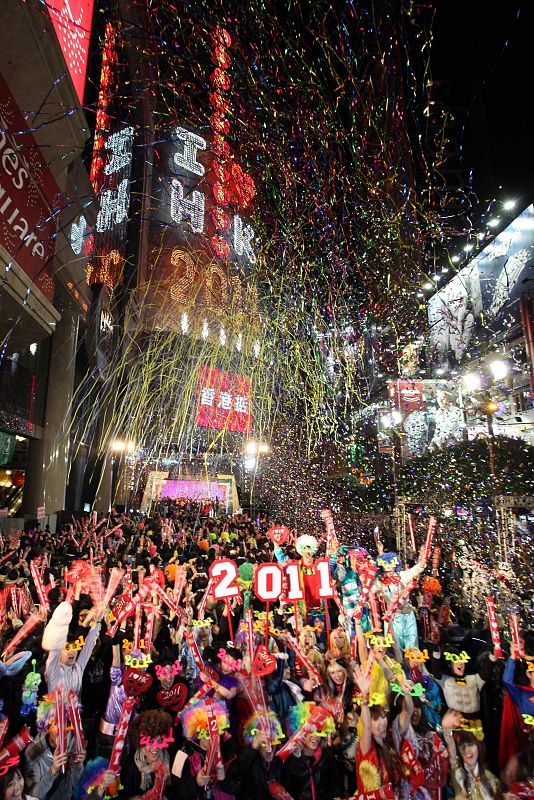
(224, 400)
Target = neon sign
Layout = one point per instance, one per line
(189, 206)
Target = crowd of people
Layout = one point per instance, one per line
(135, 666)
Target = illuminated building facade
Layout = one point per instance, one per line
(43, 297)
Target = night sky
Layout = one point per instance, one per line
(484, 51)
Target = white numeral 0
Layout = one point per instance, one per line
(268, 582)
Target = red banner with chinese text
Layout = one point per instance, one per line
(224, 400)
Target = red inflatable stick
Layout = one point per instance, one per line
(367, 582)
(127, 606)
(494, 628)
(398, 601)
(120, 736)
(432, 525)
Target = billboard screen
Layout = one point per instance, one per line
(430, 415)
(194, 490)
(224, 400)
(72, 23)
(484, 294)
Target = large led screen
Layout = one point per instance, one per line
(484, 296)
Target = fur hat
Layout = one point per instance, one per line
(56, 632)
(306, 544)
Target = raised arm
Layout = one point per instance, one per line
(411, 574)
(364, 685)
(407, 706)
(279, 554)
(363, 653)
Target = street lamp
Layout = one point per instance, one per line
(120, 446)
(253, 448)
(252, 452)
(250, 463)
(499, 369)
(472, 381)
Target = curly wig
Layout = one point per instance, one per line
(194, 719)
(268, 723)
(150, 723)
(299, 715)
(92, 775)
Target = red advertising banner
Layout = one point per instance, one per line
(28, 192)
(406, 396)
(72, 23)
(224, 400)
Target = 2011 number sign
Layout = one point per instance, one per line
(271, 580)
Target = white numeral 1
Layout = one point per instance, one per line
(294, 591)
(323, 568)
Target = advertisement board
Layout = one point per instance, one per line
(484, 296)
(72, 22)
(406, 396)
(194, 490)
(224, 400)
(28, 193)
(430, 416)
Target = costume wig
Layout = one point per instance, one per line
(46, 712)
(343, 650)
(151, 723)
(306, 544)
(263, 723)
(299, 715)
(311, 631)
(194, 719)
(357, 552)
(92, 776)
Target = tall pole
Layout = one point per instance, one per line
(500, 522)
(489, 421)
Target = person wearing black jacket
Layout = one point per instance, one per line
(310, 772)
(188, 780)
(257, 765)
(313, 773)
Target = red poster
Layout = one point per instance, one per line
(224, 400)
(72, 22)
(406, 396)
(28, 192)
